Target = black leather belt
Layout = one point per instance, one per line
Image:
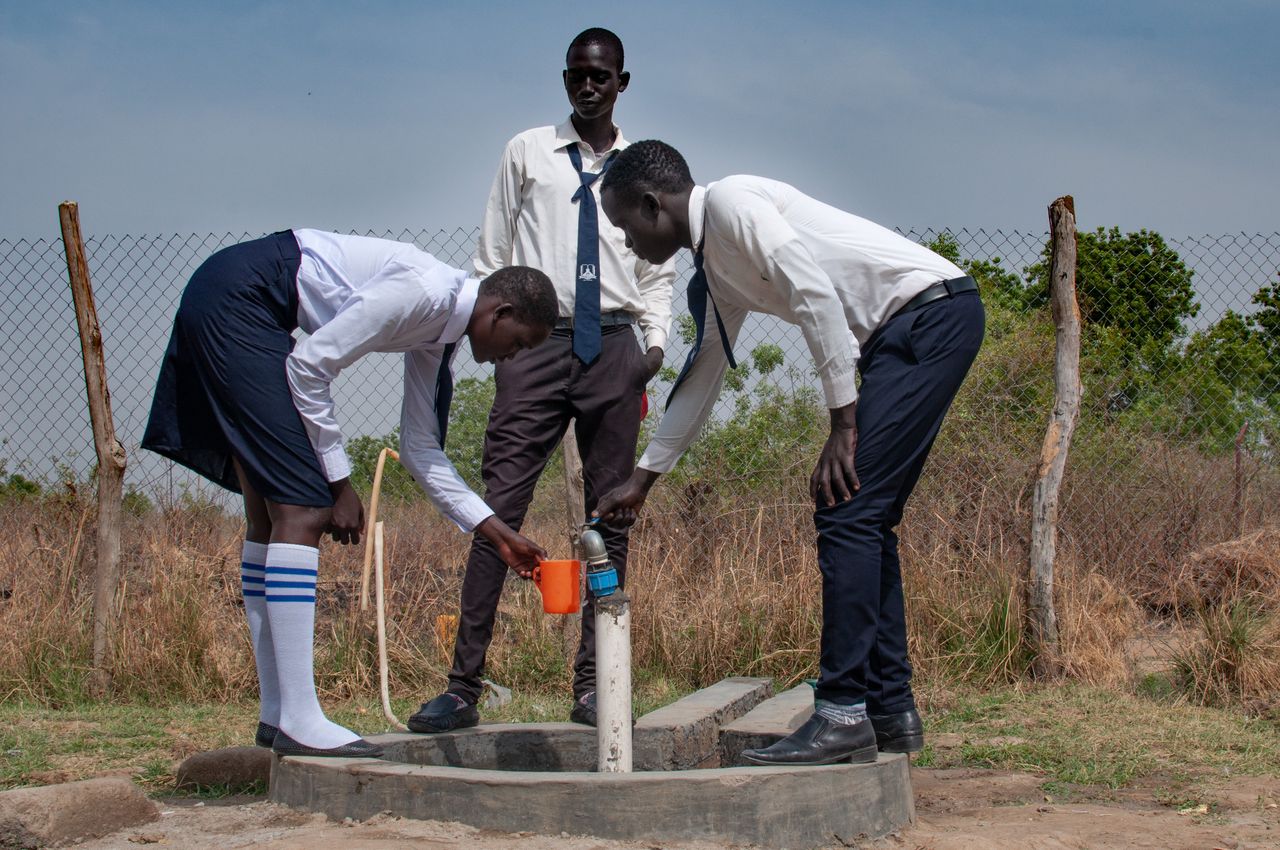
(617, 317)
(941, 289)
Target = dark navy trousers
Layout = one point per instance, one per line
(911, 368)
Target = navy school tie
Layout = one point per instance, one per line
(444, 389)
(586, 297)
(698, 293)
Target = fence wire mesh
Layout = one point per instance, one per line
(1175, 449)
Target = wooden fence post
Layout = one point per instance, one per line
(575, 500)
(1237, 492)
(111, 455)
(575, 514)
(1041, 614)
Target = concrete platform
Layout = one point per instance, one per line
(767, 723)
(540, 778)
(795, 807)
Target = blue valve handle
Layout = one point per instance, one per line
(602, 583)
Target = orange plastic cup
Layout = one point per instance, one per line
(560, 583)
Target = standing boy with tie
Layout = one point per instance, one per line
(542, 212)
(867, 300)
(238, 403)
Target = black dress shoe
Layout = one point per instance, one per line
(584, 709)
(819, 741)
(359, 748)
(899, 733)
(265, 735)
(444, 714)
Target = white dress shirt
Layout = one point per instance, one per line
(531, 220)
(358, 295)
(769, 248)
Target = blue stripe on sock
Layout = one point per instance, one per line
(247, 579)
(304, 585)
(291, 571)
(254, 592)
(310, 599)
(252, 566)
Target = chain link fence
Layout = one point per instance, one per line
(1176, 447)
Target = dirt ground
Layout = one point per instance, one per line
(960, 809)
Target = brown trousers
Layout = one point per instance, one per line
(538, 392)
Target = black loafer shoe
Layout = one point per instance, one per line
(899, 733)
(584, 710)
(444, 714)
(266, 735)
(357, 749)
(819, 741)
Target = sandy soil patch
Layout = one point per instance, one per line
(959, 809)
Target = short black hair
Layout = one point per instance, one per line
(601, 37)
(647, 166)
(530, 293)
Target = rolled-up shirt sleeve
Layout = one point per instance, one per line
(420, 450)
(376, 312)
(696, 396)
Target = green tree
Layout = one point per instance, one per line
(16, 487)
(773, 432)
(468, 418)
(1234, 352)
(1265, 323)
(1225, 376)
(999, 286)
(1134, 283)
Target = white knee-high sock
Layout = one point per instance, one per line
(291, 609)
(253, 571)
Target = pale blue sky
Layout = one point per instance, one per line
(234, 116)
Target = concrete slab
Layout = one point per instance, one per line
(685, 734)
(795, 807)
(679, 736)
(498, 746)
(765, 724)
(72, 811)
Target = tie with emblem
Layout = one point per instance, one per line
(698, 293)
(586, 298)
(444, 390)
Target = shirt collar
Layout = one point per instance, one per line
(567, 134)
(463, 307)
(697, 213)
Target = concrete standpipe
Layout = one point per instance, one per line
(613, 657)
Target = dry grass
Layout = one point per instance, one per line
(725, 583)
(1246, 565)
(1235, 659)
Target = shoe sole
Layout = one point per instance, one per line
(904, 744)
(866, 755)
(375, 753)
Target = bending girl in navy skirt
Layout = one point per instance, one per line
(237, 402)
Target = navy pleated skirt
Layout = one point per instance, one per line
(223, 392)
